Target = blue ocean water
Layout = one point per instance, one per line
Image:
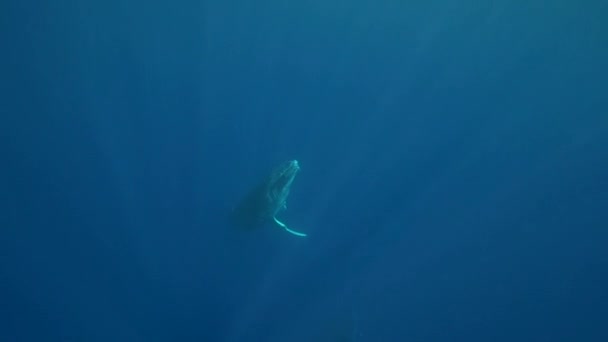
(453, 183)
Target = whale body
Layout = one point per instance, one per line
(265, 201)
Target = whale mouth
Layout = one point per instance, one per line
(279, 184)
(284, 175)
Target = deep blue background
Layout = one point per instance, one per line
(454, 180)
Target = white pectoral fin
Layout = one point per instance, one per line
(287, 229)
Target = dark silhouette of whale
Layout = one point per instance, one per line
(264, 202)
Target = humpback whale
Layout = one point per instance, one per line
(264, 202)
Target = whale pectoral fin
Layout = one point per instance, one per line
(287, 229)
